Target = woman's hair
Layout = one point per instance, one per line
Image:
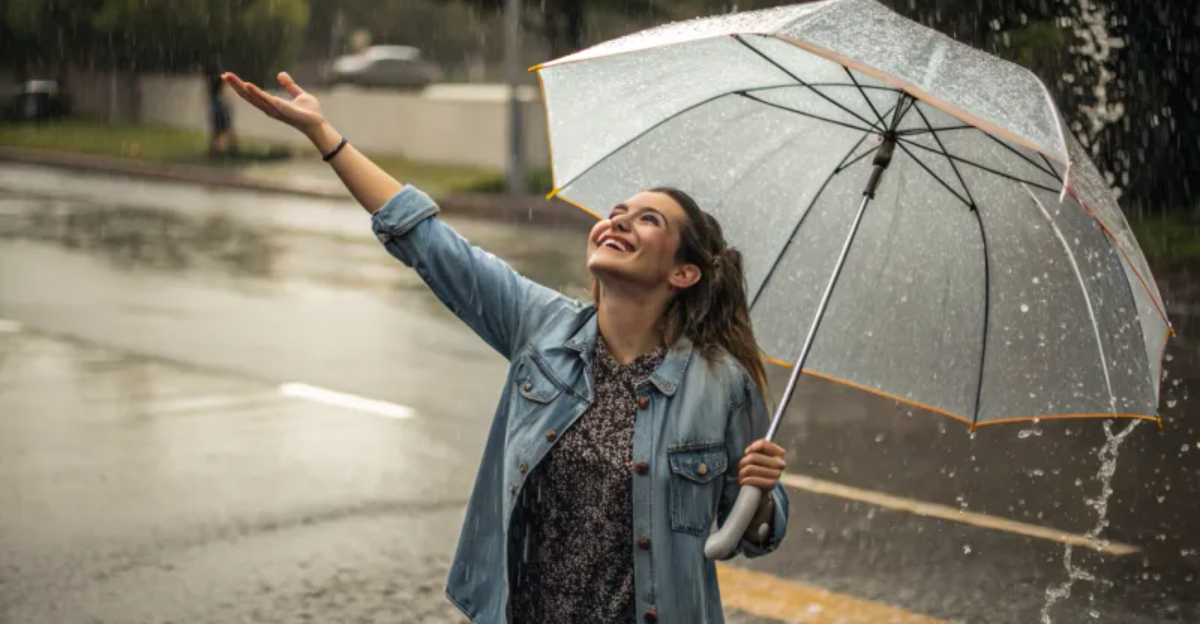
(713, 312)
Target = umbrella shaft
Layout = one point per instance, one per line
(812, 330)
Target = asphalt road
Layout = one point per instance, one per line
(220, 406)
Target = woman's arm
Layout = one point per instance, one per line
(504, 308)
(369, 184)
(759, 465)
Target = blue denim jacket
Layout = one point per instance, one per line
(687, 441)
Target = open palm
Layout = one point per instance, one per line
(302, 112)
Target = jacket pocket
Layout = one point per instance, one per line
(694, 471)
(534, 390)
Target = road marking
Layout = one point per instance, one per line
(765, 595)
(9, 326)
(953, 514)
(348, 401)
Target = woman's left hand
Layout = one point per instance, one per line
(762, 465)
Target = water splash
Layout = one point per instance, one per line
(1108, 467)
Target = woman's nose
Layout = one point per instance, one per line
(619, 224)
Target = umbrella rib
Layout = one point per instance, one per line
(809, 85)
(979, 166)
(946, 153)
(788, 242)
(802, 113)
(987, 309)
(1026, 158)
(1087, 298)
(861, 156)
(935, 176)
(916, 131)
(1050, 166)
(864, 94)
(798, 80)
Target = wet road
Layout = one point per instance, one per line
(159, 462)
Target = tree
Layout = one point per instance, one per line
(250, 36)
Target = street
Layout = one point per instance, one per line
(223, 406)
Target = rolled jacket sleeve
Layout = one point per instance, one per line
(747, 423)
(501, 306)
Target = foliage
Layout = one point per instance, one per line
(157, 35)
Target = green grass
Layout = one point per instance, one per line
(158, 144)
(1171, 241)
(103, 139)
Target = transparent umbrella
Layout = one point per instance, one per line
(915, 220)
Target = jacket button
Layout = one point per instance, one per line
(551, 434)
(522, 467)
(643, 543)
(643, 402)
(702, 469)
(641, 467)
(650, 616)
(528, 385)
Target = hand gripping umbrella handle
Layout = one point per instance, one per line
(722, 544)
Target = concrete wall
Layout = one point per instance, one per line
(449, 124)
(105, 95)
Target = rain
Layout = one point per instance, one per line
(223, 398)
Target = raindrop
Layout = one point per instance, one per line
(1161, 498)
(1184, 448)
(1169, 358)
(1172, 402)
(966, 549)
(1024, 307)
(880, 438)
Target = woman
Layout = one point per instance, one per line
(614, 446)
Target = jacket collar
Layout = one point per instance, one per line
(667, 377)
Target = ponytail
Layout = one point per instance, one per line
(714, 313)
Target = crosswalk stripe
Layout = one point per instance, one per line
(766, 595)
(953, 514)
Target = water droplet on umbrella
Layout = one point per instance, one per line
(1024, 307)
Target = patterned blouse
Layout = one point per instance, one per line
(578, 510)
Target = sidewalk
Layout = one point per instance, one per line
(306, 179)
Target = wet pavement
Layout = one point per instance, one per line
(154, 467)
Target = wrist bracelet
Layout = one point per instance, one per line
(328, 157)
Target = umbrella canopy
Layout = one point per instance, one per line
(993, 277)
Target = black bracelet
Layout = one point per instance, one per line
(328, 157)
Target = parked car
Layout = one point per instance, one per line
(36, 100)
(385, 66)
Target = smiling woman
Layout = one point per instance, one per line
(626, 425)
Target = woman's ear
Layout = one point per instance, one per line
(684, 276)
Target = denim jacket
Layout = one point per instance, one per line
(688, 438)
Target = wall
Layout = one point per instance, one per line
(448, 124)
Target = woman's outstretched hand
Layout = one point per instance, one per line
(302, 112)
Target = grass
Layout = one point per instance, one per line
(1171, 241)
(159, 144)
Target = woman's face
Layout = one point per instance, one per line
(638, 242)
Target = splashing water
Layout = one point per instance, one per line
(1108, 467)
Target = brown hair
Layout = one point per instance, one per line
(713, 312)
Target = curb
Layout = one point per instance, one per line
(528, 208)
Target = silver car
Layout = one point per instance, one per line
(385, 66)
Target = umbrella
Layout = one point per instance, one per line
(915, 219)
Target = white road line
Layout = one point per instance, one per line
(348, 401)
(953, 514)
(9, 326)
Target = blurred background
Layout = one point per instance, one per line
(221, 401)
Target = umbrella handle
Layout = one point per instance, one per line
(722, 544)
